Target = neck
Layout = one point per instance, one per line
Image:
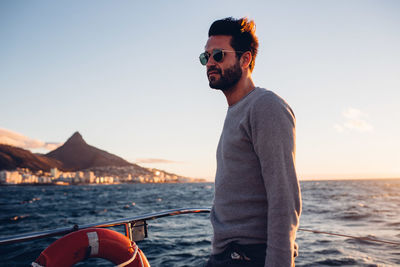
(244, 86)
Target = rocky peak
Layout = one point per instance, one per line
(76, 138)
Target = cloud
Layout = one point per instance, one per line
(16, 139)
(353, 120)
(156, 161)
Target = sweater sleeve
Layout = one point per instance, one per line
(273, 134)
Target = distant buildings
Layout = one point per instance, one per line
(12, 177)
(101, 175)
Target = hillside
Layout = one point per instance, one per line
(14, 157)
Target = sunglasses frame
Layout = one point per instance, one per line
(205, 56)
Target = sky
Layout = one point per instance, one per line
(126, 75)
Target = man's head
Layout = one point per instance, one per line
(231, 48)
(243, 32)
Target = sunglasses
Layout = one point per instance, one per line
(217, 55)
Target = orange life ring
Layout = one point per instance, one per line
(92, 243)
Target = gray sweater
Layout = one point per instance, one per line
(257, 195)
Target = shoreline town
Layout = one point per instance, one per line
(98, 175)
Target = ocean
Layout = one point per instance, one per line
(363, 208)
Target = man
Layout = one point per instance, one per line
(257, 200)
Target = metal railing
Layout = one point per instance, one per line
(128, 222)
(140, 221)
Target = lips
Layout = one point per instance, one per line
(212, 72)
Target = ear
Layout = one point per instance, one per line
(245, 59)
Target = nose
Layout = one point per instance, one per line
(210, 62)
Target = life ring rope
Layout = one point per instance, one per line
(141, 260)
(131, 259)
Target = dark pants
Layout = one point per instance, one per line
(239, 256)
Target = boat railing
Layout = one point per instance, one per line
(135, 227)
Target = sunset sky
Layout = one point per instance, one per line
(126, 75)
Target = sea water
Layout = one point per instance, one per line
(368, 208)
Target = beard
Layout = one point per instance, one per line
(228, 78)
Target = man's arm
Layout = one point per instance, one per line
(273, 131)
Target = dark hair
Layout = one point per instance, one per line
(243, 32)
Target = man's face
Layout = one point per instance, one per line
(225, 74)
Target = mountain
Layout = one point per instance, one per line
(76, 154)
(14, 157)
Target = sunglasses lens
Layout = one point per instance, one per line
(203, 58)
(218, 55)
